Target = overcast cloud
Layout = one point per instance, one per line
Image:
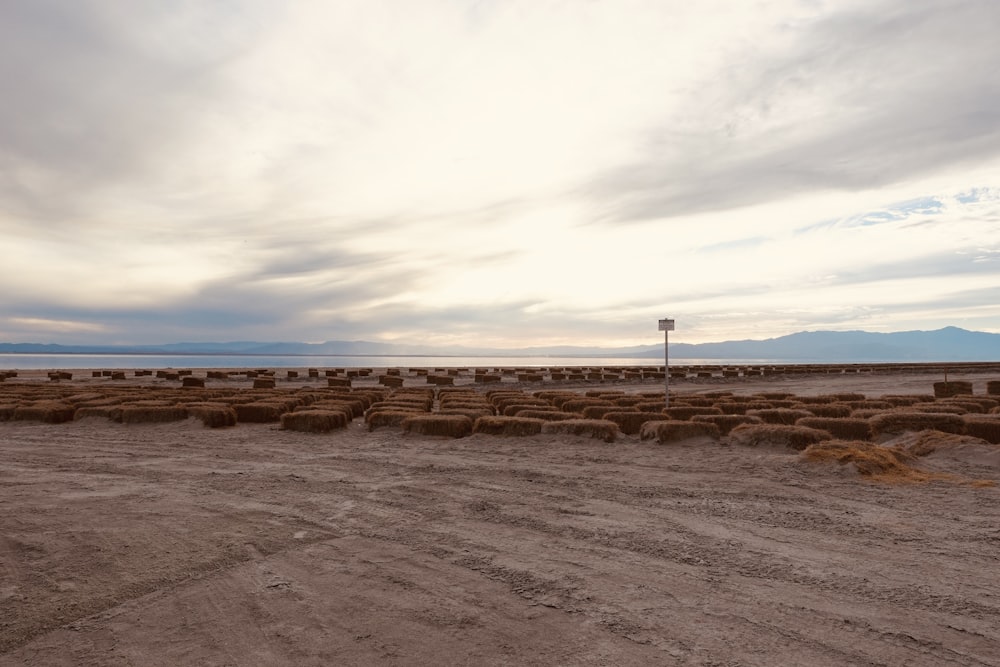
(506, 174)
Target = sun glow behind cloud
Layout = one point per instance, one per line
(503, 174)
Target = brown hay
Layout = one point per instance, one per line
(630, 423)
(782, 435)
(885, 464)
(512, 409)
(598, 411)
(842, 428)
(686, 412)
(953, 388)
(676, 430)
(831, 410)
(547, 415)
(578, 404)
(110, 412)
(7, 411)
(353, 408)
(786, 416)
(449, 426)
(388, 417)
(993, 387)
(727, 422)
(314, 421)
(984, 428)
(899, 422)
(153, 414)
(49, 412)
(213, 415)
(923, 443)
(470, 412)
(508, 426)
(260, 412)
(599, 429)
(192, 381)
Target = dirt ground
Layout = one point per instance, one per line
(174, 544)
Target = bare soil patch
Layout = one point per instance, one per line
(179, 544)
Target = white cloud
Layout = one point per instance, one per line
(518, 172)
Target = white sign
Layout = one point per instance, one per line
(666, 325)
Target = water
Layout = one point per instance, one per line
(161, 361)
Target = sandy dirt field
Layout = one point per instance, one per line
(175, 544)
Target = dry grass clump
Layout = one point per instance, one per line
(900, 422)
(551, 415)
(599, 429)
(675, 430)
(782, 435)
(886, 464)
(686, 412)
(983, 427)
(314, 421)
(450, 426)
(629, 422)
(508, 426)
(49, 412)
(843, 428)
(927, 442)
(953, 388)
(727, 422)
(787, 416)
(153, 414)
(213, 415)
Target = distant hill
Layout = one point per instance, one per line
(948, 344)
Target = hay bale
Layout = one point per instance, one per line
(781, 435)
(153, 414)
(600, 429)
(314, 421)
(191, 381)
(109, 412)
(470, 412)
(686, 412)
(213, 415)
(983, 427)
(829, 410)
(993, 387)
(901, 421)
(260, 412)
(390, 380)
(870, 460)
(952, 388)
(787, 416)
(629, 422)
(513, 409)
(675, 430)
(338, 382)
(550, 415)
(578, 405)
(449, 426)
(47, 411)
(842, 428)
(388, 417)
(263, 383)
(352, 408)
(508, 426)
(598, 411)
(727, 422)
(7, 411)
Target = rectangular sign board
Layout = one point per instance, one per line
(666, 325)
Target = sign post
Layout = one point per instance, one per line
(666, 326)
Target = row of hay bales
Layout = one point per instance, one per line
(778, 417)
(313, 409)
(456, 411)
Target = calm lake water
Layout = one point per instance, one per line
(152, 361)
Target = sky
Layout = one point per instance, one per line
(506, 174)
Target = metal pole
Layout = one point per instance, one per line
(666, 366)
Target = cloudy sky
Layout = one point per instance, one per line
(503, 173)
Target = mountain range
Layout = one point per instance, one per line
(947, 344)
